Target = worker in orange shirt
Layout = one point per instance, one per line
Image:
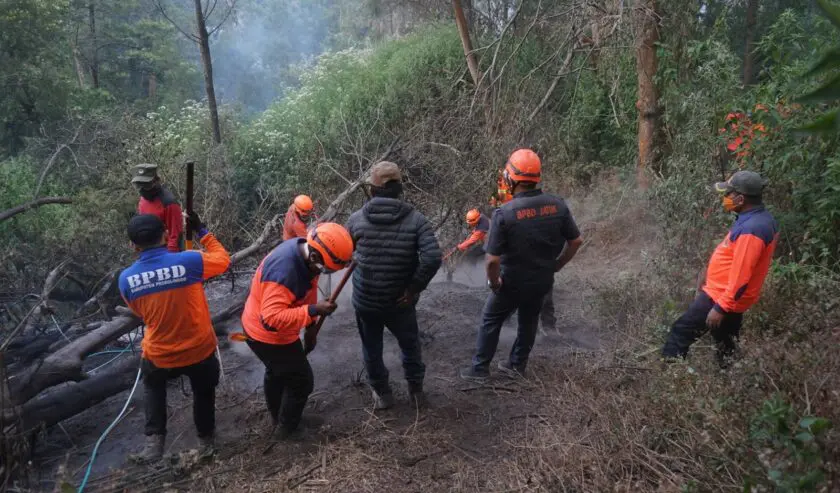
(502, 194)
(283, 300)
(165, 290)
(735, 273)
(473, 246)
(294, 224)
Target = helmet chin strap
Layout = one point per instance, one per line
(307, 250)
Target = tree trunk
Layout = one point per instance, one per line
(80, 67)
(749, 56)
(94, 47)
(464, 31)
(648, 98)
(207, 62)
(153, 87)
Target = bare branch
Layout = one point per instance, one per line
(564, 71)
(191, 37)
(8, 213)
(227, 14)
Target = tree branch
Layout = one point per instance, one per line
(9, 213)
(162, 11)
(227, 14)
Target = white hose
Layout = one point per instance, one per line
(105, 433)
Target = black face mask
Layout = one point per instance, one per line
(150, 193)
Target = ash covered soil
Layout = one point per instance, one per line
(467, 438)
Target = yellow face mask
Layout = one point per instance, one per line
(728, 203)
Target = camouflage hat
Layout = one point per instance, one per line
(144, 173)
(744, 182)
(383, 172)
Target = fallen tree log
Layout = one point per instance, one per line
(66, 363)
(36, 397)
(65, 402)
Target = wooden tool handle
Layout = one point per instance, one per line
(335, 293)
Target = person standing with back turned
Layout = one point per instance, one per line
(397, 255)
(531, 237)
(166, 290)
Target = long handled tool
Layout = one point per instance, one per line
(190, 173)
(333, 298)
(242, 337)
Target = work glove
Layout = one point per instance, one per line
(194, 223)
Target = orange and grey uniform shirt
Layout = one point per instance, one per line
(293, 225)
(740, 262)
(479, 233)
(282, 298)
(165, 290)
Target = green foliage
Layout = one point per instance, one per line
(345, 94)
(790, 450)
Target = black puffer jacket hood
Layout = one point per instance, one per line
(396, 250)
(380, 210)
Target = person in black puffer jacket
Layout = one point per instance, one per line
(396, 257)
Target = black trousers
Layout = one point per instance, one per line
(204, 377)
(499, 306)
(288, 380)
(692, 325)
(403, 324)
(547, 318)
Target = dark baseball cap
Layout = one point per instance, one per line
(145, 230)
(744, 182)
(144, 173)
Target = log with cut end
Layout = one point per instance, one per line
(66, 364)
(65, 402)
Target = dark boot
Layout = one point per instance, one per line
(471, 374)
(152, 450)
(508, 369)
(383, 400)
(416, 396)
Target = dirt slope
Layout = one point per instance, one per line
(472, 438)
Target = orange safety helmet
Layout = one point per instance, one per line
(472, 217)
(334, 244)
(523, 165)
(303, 204)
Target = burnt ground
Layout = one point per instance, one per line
(463, 441)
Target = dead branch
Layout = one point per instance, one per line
(96, 299)
(335, 206)
(58, 149)
(14, 211)
(564, 71)
(267, 232)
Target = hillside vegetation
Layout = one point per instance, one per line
(559, 77)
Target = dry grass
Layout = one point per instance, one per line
(612, 419)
